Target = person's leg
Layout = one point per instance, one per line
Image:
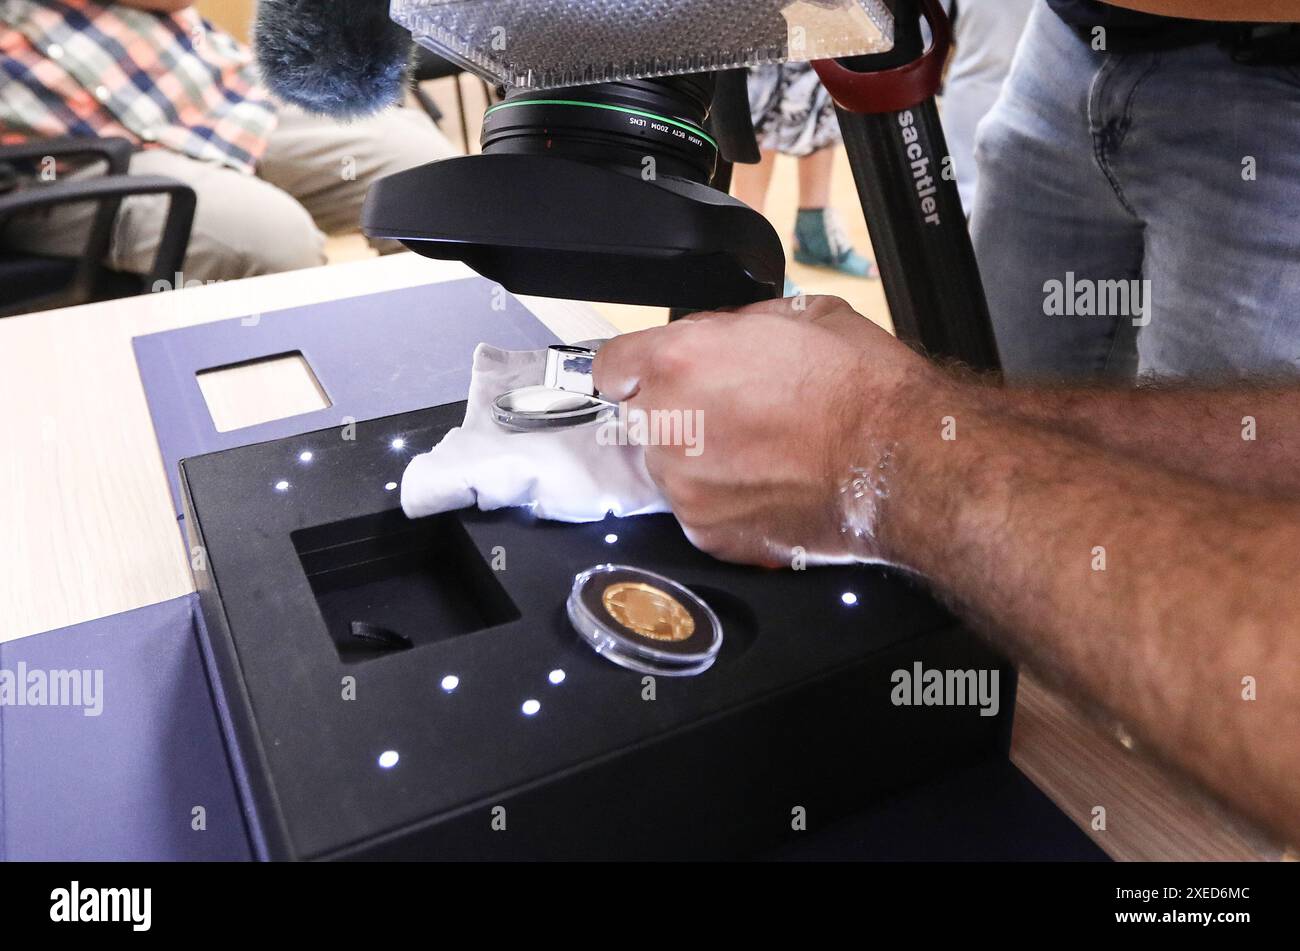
(815, 178)
(987, 33)
(329, 165)
(242, 226)
(819, 236)
(749, 183)
(1211, 161)
(1047, 218)
(820, 240)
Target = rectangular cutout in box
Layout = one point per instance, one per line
(251, 392)
(385, 577)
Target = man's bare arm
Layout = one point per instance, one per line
(1246, 438)
(1150, 593)
(1249, 11)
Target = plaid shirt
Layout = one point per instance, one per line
(77, 67)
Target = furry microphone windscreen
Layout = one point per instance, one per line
(342, 58)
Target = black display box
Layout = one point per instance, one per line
(335, 627)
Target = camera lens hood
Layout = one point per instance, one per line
(551, 226)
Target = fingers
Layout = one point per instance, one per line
(819, 307)
(801, 308)
(778, 307)
(833, 313)
(616, 371)
(734, 546)
(626, 363)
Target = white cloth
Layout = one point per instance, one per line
(561, 474)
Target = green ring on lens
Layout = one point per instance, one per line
(601, 105)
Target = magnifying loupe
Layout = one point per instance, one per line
(566, 397)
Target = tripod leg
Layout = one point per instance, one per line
(896, 147)
(918, 230)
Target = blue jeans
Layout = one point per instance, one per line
(1172, 177)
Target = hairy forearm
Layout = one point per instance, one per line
(1148, 592)
(1244, 438)
(1243, 10)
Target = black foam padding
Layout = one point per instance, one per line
(795, 714)
(989, 812)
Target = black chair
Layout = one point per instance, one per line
(32, 282)
(428, 65)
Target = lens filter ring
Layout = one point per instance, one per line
(618, 124)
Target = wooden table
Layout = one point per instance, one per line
(87, 527)
(85, 514)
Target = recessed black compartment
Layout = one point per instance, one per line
(384, 582)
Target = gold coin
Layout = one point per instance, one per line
(649, 611)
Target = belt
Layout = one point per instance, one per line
(1265, 44)
(1251, 44)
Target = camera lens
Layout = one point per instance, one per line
(601, 192)
(653, 126)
